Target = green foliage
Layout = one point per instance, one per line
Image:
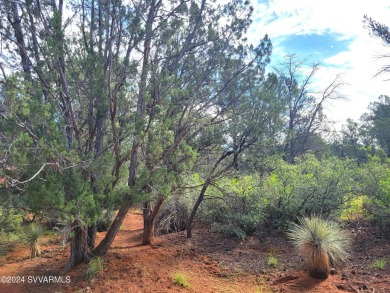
(6, 248)
(10, 219)
(321, 242)
(309, 186)
(244, 205)
(354, 208)
(236, 209)
(378, 122)
(95, 266)
(181, 280)
(272, 261)
(32, 234)
(104, 221)
(8, 240)
(380, 264)
(375, 184)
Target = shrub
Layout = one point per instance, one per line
(375, 184)
(94, 267)
(33, 233)
(321, 242)
(354, 209)
(228, 230)
(308, 187)
(10, 220)
(173, 216)
(181, 280)
(237, 212)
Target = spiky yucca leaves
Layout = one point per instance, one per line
(33, 232)
(321, 242)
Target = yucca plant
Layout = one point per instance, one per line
(321, 242)
(33, 233)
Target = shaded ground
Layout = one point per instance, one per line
(210, 262)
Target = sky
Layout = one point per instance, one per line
(330, 32)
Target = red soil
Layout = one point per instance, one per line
(210, 262)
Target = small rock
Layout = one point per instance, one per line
(333, 271)
(343, 276)
(364, 287)
(353, 272)
(340, 287)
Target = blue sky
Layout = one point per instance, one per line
(315, 46)
(330, 32)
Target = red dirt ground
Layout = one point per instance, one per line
(210, 262)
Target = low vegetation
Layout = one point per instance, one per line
(32, 234)
(380, 264)
(321, 242)
(95, 267)
(181, 280)
(167, 105)
(272, 260)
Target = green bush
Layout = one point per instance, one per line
(95, 266)
(236, 208)
(251, 204)
(375, 184)
(307, 187)
(10, 220)
(321, 242)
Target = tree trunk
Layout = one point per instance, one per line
(195, 209)
(91, 236)
(150, 215)
(79, 250)
(105, 244)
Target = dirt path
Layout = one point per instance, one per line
(210, 263)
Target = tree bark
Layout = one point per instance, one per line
(105, 244)
(79, 250)
(16, 25)
(150, 215)
(195, 209)
(91, 236)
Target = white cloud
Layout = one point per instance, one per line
(343, 18)
(285, 17)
